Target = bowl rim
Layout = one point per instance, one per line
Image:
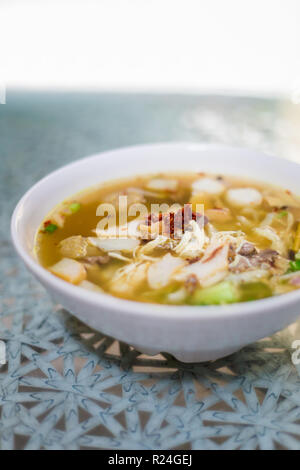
(130, 307)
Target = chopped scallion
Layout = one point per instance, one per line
(50, 228)
(294, 265)
(282, 214)
(74, 207)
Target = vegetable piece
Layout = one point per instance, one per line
(294, 266)
(223, 293)
(119, 256)
(50, 228)
(73, 247)
(254, 291)
(178, 296)
(297, 255)
(282, 214)
(296, 246)
(244, 197)
(207, 185)
(90, 286)
(74, 207)
(69, 270)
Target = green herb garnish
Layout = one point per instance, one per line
(294, 266)
(74, 207)
(282, 214)
(50, 228)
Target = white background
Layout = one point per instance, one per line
(240, 46)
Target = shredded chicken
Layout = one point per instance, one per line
(160, 272)
(127, 279)
(193, 241)
(159, 242)
(276, 242)
(211, 269)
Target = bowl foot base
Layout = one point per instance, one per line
(192, 356)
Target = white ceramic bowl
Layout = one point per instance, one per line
(189, 333)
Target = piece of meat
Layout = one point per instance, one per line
(247, 249)
(267, 256)
(265, 259)
(240, 264)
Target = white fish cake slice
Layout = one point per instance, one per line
(160, 184)
(242, 197)
(207, 185)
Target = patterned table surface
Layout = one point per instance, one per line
(66, 386)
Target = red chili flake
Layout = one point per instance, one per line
(175, 223)
(153, 218)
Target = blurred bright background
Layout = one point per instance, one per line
(232, 46)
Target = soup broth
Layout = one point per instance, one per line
(194, 239)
